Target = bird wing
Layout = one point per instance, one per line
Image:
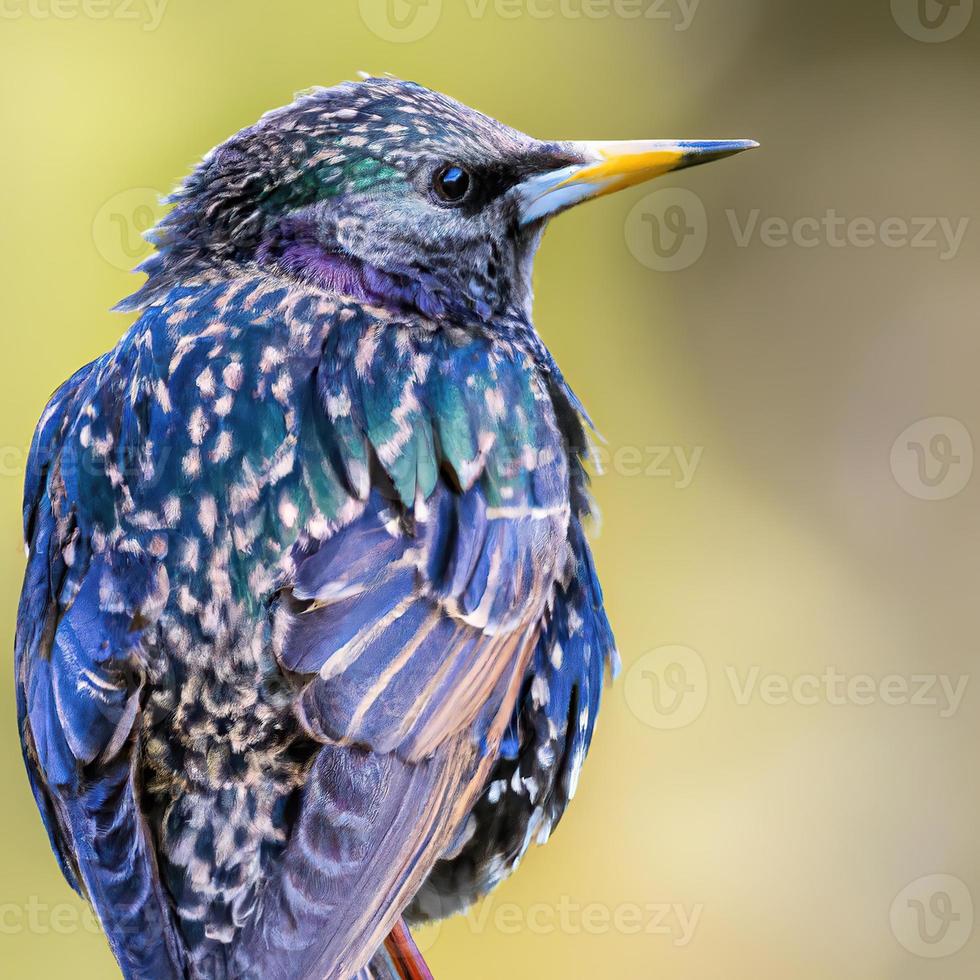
(537, 771)
(411, 649)
(408, 632)
(78, 705)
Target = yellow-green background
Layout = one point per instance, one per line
(791, 828)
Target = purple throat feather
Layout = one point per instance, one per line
(295, 250)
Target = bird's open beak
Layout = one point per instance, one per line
(608, 167)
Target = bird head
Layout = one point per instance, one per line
(397, 195)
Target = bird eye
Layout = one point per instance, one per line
(451, 183)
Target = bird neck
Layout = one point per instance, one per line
(295, 252)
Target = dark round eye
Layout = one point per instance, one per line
(451, 183)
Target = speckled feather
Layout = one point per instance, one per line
(310, 630)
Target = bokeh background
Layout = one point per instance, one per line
(784, 779)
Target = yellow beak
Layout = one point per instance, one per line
(609, 167)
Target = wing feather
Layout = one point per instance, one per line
(406, 632)
(78, 705)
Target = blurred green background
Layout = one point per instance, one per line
(767, 512)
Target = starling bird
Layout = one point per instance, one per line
(311, 643)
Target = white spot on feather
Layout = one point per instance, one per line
(207, 515)
(497, 787)
(205, 382)
(197, 426)
(540, 694)
(271, 357)
(338, 406)
(233, 375)
(163, 396)
(171, 510)
(494, 398)
(222, 448)
(191, 463)
(288, 512)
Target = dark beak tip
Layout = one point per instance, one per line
(711, 150)
(726, 148)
